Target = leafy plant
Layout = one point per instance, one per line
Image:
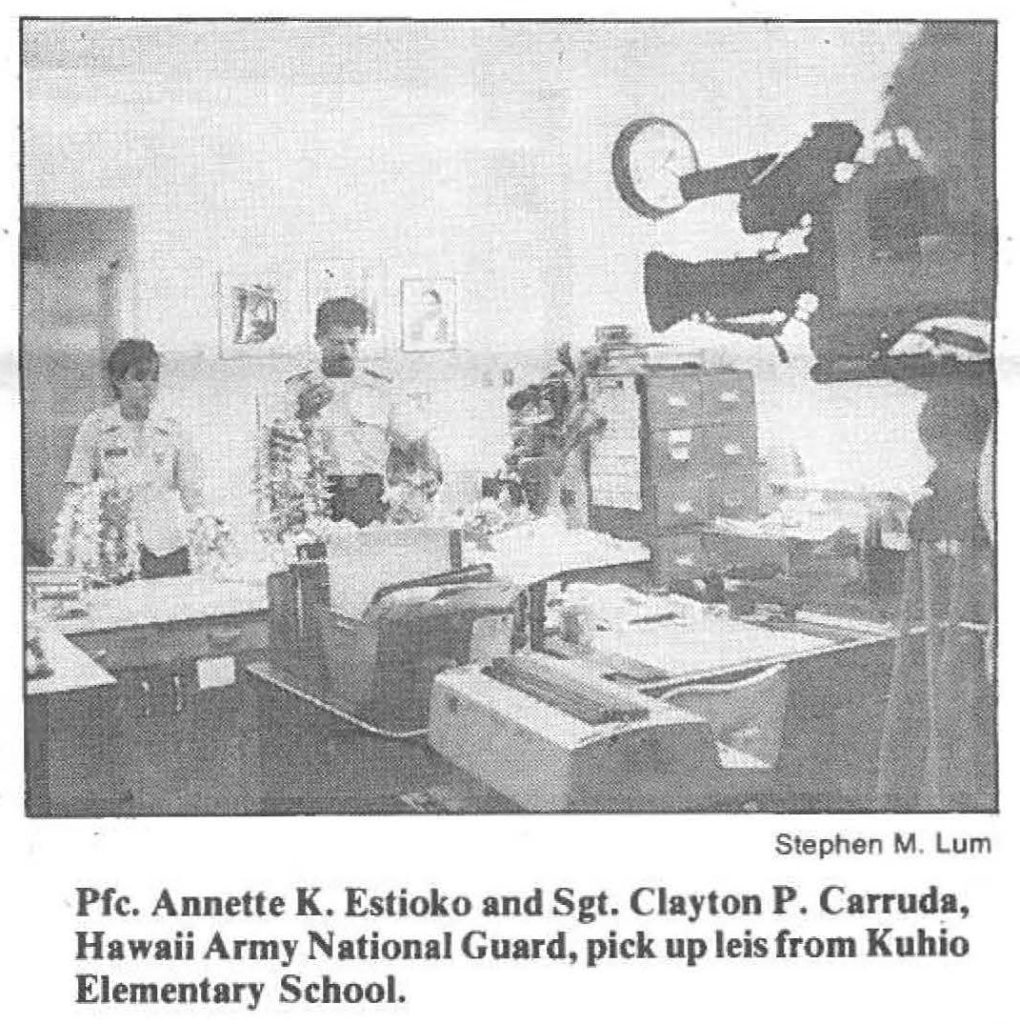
(550, 420)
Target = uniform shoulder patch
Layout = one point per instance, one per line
(377, 375)
(298, 378)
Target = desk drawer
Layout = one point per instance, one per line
(721, 551)
(727, 396)
(679, 557)
(681, 501)
(735, 496)
(677, 453)
(117, 649)
(673, 400)
(163, 643)
(714, 449)
(730, 447)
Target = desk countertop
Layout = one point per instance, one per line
(147, 602)
(539, 552)
(707, 646)
(73, 670)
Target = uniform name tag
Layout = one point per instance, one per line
(115, 452)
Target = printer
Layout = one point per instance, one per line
(558, 735)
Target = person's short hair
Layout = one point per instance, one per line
(125, 355)
(345, 313)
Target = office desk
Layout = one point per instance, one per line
(108, 747)
(70, 731)
(157, 739)
(169, 622)
(311, 761)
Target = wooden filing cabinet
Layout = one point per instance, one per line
(680, 449)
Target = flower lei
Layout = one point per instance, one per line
(97, 533)
(211, 543)
(291, 484)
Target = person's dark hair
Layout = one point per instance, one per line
(344, 313)
(126, 354)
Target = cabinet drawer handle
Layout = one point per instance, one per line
(684, 561)
(680, 454)
(733, 450)
(677, 401)
(729, 397)
(223, 638)
(178, 689)
(146, 688)
(683, 507)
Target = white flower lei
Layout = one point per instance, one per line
(96, 532)
(291, 486)
(211, 543)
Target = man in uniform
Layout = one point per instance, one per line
(369, 440)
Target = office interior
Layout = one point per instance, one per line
(727, 592)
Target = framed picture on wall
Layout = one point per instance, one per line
(257, 313)
(344, 277)
(428, 314)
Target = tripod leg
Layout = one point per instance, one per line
(931, 795)
(899, 712)
(955, 694)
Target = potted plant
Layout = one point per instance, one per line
(552, 422)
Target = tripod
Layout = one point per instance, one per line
(936, 738)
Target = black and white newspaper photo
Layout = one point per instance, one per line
(514, 514)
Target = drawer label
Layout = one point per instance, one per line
(214, 673)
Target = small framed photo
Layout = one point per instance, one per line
(428, 314)
(343, 277)
(256, 314)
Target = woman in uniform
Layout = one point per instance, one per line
(147, 453)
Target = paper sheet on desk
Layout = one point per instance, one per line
(214, 673)
(541, 549)
(768, 530)
(710, 645)
(812, 518)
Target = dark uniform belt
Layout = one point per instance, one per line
(357, 497)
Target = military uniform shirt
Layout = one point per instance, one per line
(153, 459)
(358, 425)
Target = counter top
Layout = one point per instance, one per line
(708, 646)
(539, 552)
(72, 669)
(146, 602)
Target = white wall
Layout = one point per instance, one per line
(246, 142)
(480, 151)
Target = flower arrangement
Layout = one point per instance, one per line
(491, 516)
(292, 489)
(96, 532)
(550, 421)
